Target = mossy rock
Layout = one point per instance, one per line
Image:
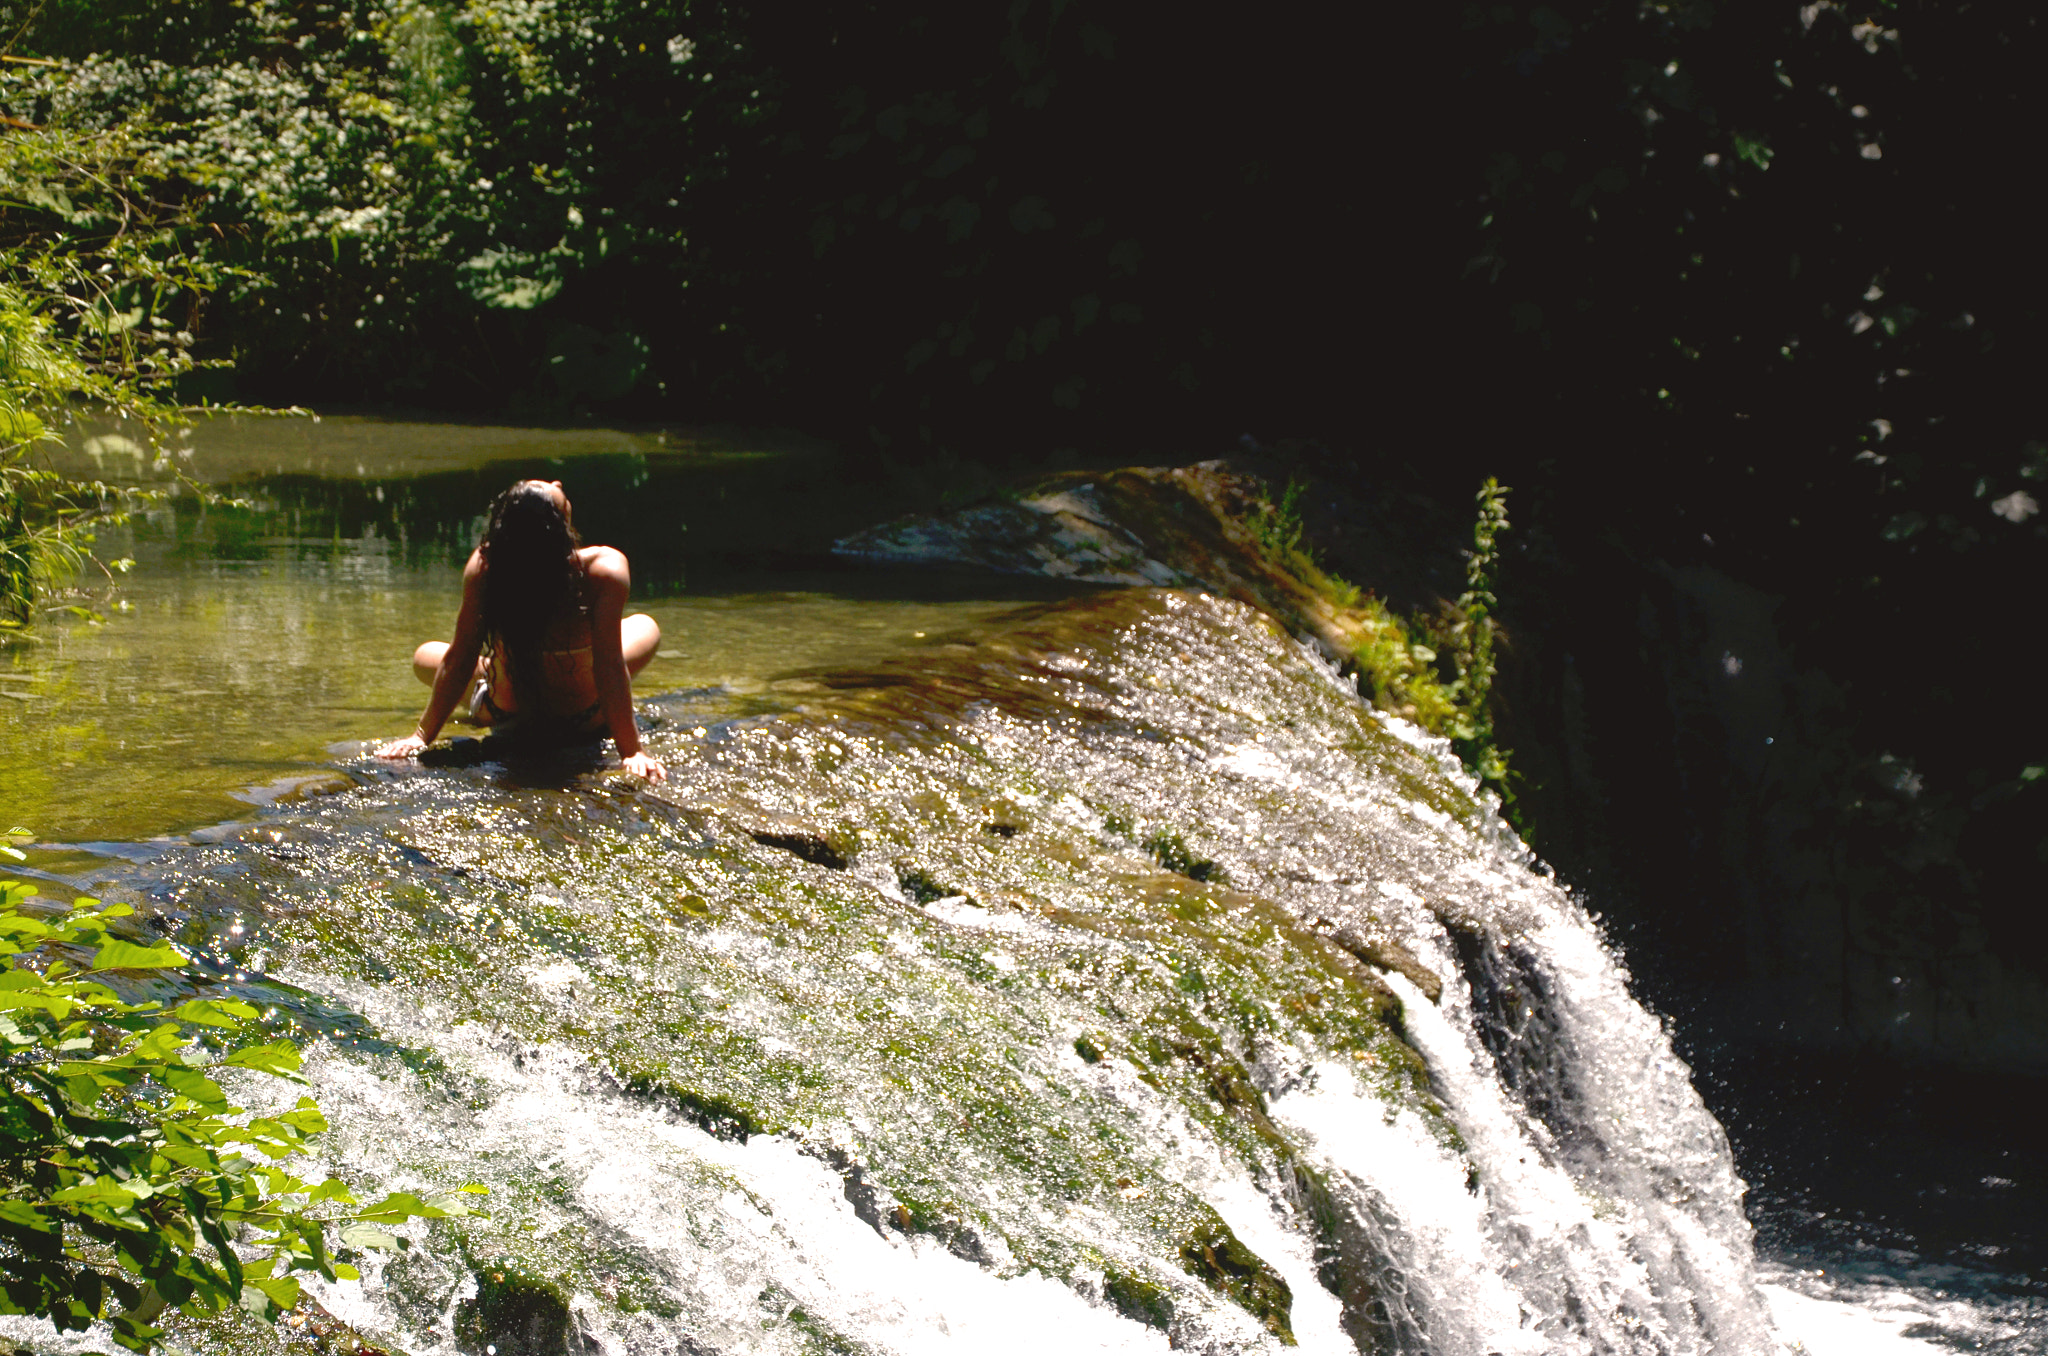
(1214, 1256)
(718, 1116)
(1171, 851)
(917, 881)
(1138, 1299)
(943, 1221)
(515, 1313)
(306, 1330)
(1379, 1314)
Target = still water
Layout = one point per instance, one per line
(252, 642)
(157, 746)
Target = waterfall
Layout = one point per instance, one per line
(1113, 978)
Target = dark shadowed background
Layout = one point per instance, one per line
(1744, 302)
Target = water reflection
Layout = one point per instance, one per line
(711, 502)
(255, 636)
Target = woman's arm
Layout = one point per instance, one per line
(611, 581)
(458, 666)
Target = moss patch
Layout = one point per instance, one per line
(515, 1312)
(1216, 1257)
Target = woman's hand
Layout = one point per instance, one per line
(645, 765)
(403, 748)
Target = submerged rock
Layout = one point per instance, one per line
(516, 1313)
(1161, 1058)
(1223, 1263)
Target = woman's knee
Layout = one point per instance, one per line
(639, 634)
(426, 660)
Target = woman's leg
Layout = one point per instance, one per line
(639, 635)
(426, 666)
(426, 660)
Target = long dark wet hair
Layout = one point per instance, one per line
(530, 578)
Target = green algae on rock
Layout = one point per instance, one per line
(513, 1313)
(1194, 526)
(1221, 528)
(809, 937)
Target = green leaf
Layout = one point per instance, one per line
(119, 955)
(98, 1192)
(333, 1189)
(1753, 150)
(305, 1118)
(134, 1334)
(398, 1206)
(214, 1012)
(27, 1216)
(269, 1296)
(112, 1181)
(197, 1086)
(162, 1042)
(451, 1204)
(278, 1057)
(42, 1002)
(362, 1235)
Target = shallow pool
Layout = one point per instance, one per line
(252, 642)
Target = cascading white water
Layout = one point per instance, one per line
(1595, 1207)
(931, 1024)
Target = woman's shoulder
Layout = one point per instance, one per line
(604, 565)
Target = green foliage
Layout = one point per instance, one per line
(96, 239)
(128, 1182)
(884, 220)
(1786, 315)
(98, 293)
(1277, 525)
(1436, 670)
(408, 204)
(1468, 635)
(1739, 274)
(45, 518)
(1397, 662)
(1403, 659)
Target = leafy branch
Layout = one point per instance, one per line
(129, 1184)
(100, 289)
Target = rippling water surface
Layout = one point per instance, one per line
(999, 967)
(248, 641)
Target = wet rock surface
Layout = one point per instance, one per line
(1188, 526)
(988, 982)
(517, 1313)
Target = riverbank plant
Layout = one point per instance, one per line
(100, 289)
(1434, 668)
(129, 1185)
(46, 518)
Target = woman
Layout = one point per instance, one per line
(541, 643)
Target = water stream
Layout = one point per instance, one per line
(996, 968)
